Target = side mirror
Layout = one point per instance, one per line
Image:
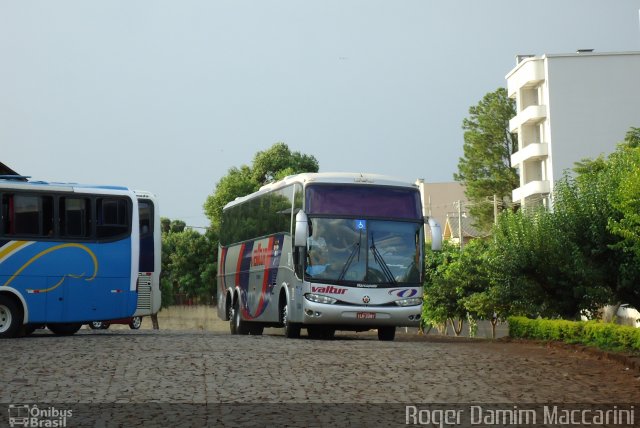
(302, 229)
(436, 235)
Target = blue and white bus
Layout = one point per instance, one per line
(323, 252)
(68, 255)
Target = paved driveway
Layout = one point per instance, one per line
(196, 378)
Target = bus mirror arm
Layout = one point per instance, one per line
(302, 229)
(436, 235)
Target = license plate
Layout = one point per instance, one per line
(365, 315)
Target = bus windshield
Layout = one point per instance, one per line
(371, 201)
(364, 252)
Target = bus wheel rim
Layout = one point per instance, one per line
(5, 318)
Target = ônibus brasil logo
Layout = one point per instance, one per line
(26, 415)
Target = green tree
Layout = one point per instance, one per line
(626, 197)
(485, 169)
(278, 162)
(624, 225)
(440, 302)
(540, 269)
(269, 165)
(632, 138)
(188, 264)
(237, 182)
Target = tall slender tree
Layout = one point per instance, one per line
(485, 169)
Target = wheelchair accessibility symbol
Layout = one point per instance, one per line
(361, 224)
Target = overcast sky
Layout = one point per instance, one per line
(166, 96)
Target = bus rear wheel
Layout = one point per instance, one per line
(64, 329)
(136, 323)
(10, 318)
(98, 325)
(386, 333)
(240, 326)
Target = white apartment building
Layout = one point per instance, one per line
(569, 107)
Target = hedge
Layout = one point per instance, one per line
(607, 336)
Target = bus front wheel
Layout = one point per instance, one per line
(10, 318)
(291, 330)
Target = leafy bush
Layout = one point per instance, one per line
(592, 333)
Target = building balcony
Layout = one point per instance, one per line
(540, 187)
(530, 115)
(534, 151)
(530, 73)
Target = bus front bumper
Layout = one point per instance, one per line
(365, 316)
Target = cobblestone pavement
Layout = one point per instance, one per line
(189, 370)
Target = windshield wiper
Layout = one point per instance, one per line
(354, 251)
(383, 265)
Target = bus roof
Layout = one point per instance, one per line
(60, 187)
(327, 177)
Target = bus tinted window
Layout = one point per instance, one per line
(26, 215)
(112, 217)
(38, 215)
(363, 201)
(264, 215)
(75, 217)
(7, 214)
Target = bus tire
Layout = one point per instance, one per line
(241, 327)
(10, 318)
(386, 334)
(136, 323)
(291, 330)
(95, 325)
(232, 319)
(64, 329)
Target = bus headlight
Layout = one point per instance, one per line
(409, 302)
(318, 298)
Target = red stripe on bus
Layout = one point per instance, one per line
(239, 265)
(265, 279)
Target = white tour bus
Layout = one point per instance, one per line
(323, 252)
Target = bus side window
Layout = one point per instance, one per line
(112, 217)
(6, 227)
(75, 217)
(26, 215)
